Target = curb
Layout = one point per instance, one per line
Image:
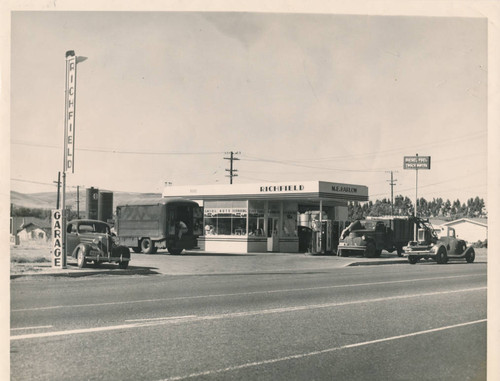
(389, 262)
(79, 274)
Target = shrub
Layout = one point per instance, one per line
(480, 244)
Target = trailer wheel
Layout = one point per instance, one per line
(412, 259)
(147, 246)
(470, 256)
(174, 251)
(441, 256)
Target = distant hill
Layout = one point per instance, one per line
(48, 200)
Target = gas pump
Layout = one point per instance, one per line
(321, 237)
(326, 236)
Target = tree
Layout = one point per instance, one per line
(446, 210)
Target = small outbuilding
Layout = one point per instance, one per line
(30, 229)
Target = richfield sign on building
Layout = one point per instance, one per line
(263, 217)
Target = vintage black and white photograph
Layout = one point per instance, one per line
(245, 193)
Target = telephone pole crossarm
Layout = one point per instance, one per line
(231, 170)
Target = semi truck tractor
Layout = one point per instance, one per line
(174, 224)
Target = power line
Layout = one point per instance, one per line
(54, 183)
(102, 150)
(296, 164)
(389, 151)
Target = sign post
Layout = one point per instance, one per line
(416, 162)
(69, 137)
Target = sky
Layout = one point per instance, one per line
(164, 96)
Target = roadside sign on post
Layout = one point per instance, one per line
(57, 238)
(417, 162)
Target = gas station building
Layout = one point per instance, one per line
(291, 217)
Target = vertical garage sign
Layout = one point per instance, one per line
(69, 131)
(57, 239)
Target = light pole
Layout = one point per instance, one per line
(69, 135)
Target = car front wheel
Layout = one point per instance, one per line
(412, 259)
(80, 259)
(441, 256)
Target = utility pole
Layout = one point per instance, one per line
(58, 182)
(78, 201)
(231, 170)
(392, 183)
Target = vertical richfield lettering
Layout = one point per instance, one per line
(57, 260)
(70, 113)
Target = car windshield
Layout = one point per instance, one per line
(93, 227)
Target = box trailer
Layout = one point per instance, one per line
(174, 224)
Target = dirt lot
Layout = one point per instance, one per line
(30, 257)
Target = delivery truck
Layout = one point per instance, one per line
(172, 224)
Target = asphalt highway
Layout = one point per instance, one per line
(398, 322)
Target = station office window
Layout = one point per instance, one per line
(256, 218)
(225, 217)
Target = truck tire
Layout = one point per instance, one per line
(174, 251)
(147, 246)
(136, 249)
(370, 250)
(470, 255)
(441, 256)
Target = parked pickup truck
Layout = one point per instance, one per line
(92, 241)
(369, 237)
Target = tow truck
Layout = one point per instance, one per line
(438, 243)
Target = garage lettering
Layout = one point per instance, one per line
(57, 238)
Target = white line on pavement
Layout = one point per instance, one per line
(241, 293)
(315, 353)
(233, 315)
(164, 318)
(38, 327)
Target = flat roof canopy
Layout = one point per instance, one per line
(296, 190)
